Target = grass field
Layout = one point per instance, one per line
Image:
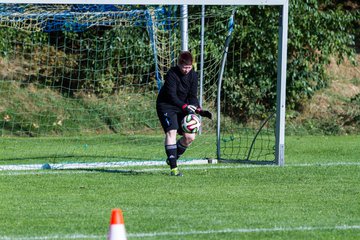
(314, 196)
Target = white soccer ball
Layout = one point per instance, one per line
(191, 123)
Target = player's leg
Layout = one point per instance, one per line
(171, 152)
(171, 148)
(187, 138)
(169, 122)
(184, 142)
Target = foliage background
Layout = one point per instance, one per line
(319, 32)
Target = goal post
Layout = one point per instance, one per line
(281, 85)
(118, 82)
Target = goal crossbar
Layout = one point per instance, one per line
(157, 2)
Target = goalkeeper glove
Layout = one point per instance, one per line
(189, 109)
(204, 113)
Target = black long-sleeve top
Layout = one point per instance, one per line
(178, 89)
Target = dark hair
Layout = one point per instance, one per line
(185, 58)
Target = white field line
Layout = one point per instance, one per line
(16, 167)
(162, 234)
(6, 170)
(244, 230)
(75, 236)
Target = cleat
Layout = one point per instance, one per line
(175, 172)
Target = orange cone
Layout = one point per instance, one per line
(117, 226)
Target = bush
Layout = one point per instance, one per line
(316, 34)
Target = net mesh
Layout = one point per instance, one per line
(79, 83)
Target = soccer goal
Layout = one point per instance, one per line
(79, 80)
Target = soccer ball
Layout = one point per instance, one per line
(191, 123)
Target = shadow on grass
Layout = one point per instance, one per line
(117, 171)
(250, 162)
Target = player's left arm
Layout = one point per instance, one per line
(204, 113)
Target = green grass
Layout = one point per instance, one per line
(102, 148)
(322, 149)
(40, 111)
(105, 148)
(86, 148)
(312, 197)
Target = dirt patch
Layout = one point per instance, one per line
(345, 72)
(344, 88)
(9, 68)
(334, 106)
(345, 81)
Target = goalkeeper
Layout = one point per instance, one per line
(176, 99)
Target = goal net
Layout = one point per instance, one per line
(78, 83)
